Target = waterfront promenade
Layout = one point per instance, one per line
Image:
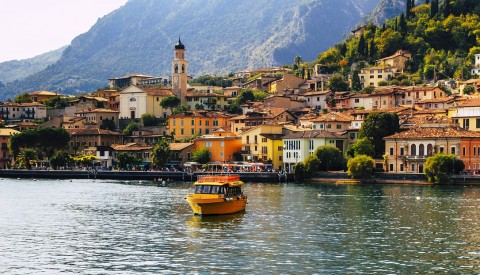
(138, 175)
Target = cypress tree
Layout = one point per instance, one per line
(372, 49)
(407, 12)
(427, 2)
(402, 25)
(361, 46)
(446, 8)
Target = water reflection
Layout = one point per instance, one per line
(107, 227)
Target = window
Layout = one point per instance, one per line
(181, 131)
(264, 139)
(466, 123)
(464, 150)
(193, 122)
(401, 167)
(174, 123)
(339, 126)
(264, 150)
(352, 135)
(215, 123)
(391, 151)
(193, 131)
(391, 167)
(452, 150)
(402, 151)
(329, 126)
(357, 100)
(474, 150)
(222, 143)
(442, 149)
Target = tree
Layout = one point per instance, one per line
(149, 120)
(132, 126)
(438, 166)
(23, 98)
(108, 125)
(299, 171)
(125, 160)
(337, 84)
(161, 153)
(170, 102)
(363, 146)
(377, 126)
(56, 102)
(330, 157)
(201, 155)
(360, 167)
(46, 140)
(356, 83)
(361, 46)
(245, 96)
(26, 156)
(311, 165)
(60, 159)
(469, 89)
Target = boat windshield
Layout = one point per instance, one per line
(209, 189)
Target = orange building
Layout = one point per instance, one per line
(197, 122)
(5, 156)
(469, 151)
(221, 144)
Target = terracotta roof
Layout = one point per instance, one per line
(157, 91)
(7, 132)
(201, 113)
(179, 146)
(471, 102)
(314, 93)
(29, 104)
(88, 131)
(334, 116)
(435, 100)
(133, 146)
(434, 132)
(99, 110)
(313, 134)
(45, 93)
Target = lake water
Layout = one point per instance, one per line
(113, 227)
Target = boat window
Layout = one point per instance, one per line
(206, 189)
(198, 189)
(215, 189)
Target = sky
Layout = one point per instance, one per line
(32, 27)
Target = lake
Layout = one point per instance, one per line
(130, 227)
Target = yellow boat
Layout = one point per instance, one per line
(216, 195)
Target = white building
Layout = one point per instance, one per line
(297, 146)
(476, 68)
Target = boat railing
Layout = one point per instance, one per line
(218, 178)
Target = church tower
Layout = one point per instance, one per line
(179, 72)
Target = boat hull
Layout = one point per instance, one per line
(217, 206)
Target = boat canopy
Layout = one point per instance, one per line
(219, 180)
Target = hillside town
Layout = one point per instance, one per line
(273, 134)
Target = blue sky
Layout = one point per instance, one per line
(32, 27)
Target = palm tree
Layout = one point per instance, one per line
(26, 156)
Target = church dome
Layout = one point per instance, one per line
(179, 45)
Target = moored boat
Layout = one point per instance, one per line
(217, 194)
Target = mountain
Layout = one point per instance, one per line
(20, 69)
(384, 10)
(220, 37)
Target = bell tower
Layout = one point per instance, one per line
(179, 72)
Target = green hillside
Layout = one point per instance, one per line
(442, 37)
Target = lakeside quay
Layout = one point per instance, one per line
(138, 175)
(331, 177)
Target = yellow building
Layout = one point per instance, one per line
(264, 143)
(197, 122)
(371, 76)
(5, 135)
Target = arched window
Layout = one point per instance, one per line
(429, 149)
(183, 68)
(421, 150)
(413, 150)
(176, 68)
